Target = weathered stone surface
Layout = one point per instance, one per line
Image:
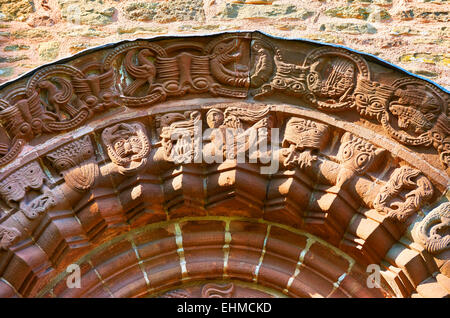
(6, 71)
(356, 12)
(12, 59)
(91, 12)
(48, 51)
(16, 47)
(443, 59)
(16, 9)
(439, 16)
(30, 33)
(351, 28)
(275, 11)
(78, 47)
(404, 30)
(164, 12)
(85, 32)
(142, 30)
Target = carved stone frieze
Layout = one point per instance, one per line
(142, 73)
(114, 140)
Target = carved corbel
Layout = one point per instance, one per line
(127, 145)
(14, 188)
(179, 134)
(302, 137)
(433, 232)
(392, 200)
(8, 236)
(356, 157)
(76, 162)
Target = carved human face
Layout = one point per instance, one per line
(127, 146)
(214, 118)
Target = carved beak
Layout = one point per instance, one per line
(344, 175)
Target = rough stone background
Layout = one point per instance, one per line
(414, 34)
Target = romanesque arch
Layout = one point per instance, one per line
(227, 165)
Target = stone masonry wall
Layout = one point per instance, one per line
(414, 34)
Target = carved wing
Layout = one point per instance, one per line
(246, 115)
(106, 79)
(133, 70)
(81, 85)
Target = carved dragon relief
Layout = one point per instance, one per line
(403, 179)
(15, 187)
(433, 231)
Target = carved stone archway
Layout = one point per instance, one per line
(228, 165)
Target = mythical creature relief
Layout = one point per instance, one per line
(97, 87)
(433, 232)
(76, 162)
(8, 236)
(356, 156)
(15, 187)
(216, 290)
(327, 78)
(181, 136)
(127, 145)
(404, 194)
(237, 130)
(301, 138)
(410, 110)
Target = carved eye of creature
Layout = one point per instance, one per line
(361, 97)
(107, 96)
(296, 87)
(279, 82)
(376, 104)
(91, 100)
(394, 110)
(362, 160)
(347, 154)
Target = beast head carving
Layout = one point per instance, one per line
(372, 98)
(301, 137)
(356, 157)
(127, 145)
(76, 163)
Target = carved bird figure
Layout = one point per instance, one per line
(59, 98)
(144, 72)
(25, 117)
(97, 90)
